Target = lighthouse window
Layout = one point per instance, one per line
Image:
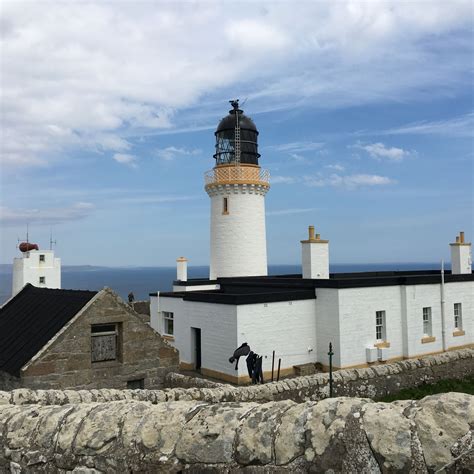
(42, 258)
(168, 323)
(380, 325)
(427, 330)
(458, 316)
(42, 280)
(225, 208)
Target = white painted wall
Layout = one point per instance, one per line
(29, 269)
(345, 317)
(195, 287)
(327, 325)
(461, 258)
(181, 269)
(155, 321)
(357, 308)
(288, 327)
(238, 239)
(218, 324)
(459, 292)
(315, 259)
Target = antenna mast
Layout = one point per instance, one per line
(235, 104)
(51, 241)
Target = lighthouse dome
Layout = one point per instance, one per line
(236, 127)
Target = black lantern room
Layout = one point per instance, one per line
(236, 137)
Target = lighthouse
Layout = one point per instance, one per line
(237, 187)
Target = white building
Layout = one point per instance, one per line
(38, 267)
(370, 317)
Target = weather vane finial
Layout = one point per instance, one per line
(235, 103)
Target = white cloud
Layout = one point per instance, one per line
(172, 152)
(462, 126)
(45, 216)
(282, 180)
(348, 181)
(380, 151)
(335, 167)
(88, 75)
(157, 199)
(283, 212)
(126, 159)
(296, 147)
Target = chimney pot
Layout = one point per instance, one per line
(461, 237)
(311, 232)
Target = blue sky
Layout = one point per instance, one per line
(365, 113)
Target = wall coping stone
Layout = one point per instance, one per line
(333, 435)
(373, 382)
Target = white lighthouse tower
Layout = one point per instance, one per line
(237, 187)
(38, 267)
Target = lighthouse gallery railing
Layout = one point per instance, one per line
(237, 174)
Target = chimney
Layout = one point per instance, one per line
(461, 256)
(181, 269)
(315, 256)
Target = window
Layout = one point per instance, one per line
(427, 329)
(136, 384)
(42, 258)
(42, 280)
(104, 342)
(380, 325)
(225, 207)
(168, 323)
(458, 316)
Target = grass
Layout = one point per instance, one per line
(465, 386)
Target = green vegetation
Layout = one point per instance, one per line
(465, 386)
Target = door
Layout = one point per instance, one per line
(196, 344)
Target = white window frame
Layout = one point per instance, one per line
(167, 317)
(380, 326)
(458, 316)
(427, 322)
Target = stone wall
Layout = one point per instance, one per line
(376, 382)
(65, 362)
(336, 435)
(8, 382)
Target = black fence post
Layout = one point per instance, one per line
(330, 354)
(278, 373)
(273, 363)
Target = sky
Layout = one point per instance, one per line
(365, 114)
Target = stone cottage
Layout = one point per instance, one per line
(58, 339)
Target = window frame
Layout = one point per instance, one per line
(166, 321)
(380, 326)
(225, 205)
(42, 258)
(42, 280)
(427, 321)
(457, 316)
(104, 333)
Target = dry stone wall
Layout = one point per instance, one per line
(334, 435)
(373, 382)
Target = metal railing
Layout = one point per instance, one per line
(237, 174)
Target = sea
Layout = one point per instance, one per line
(145, 280)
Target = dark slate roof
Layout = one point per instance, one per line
(263, 289)
(31, 318)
